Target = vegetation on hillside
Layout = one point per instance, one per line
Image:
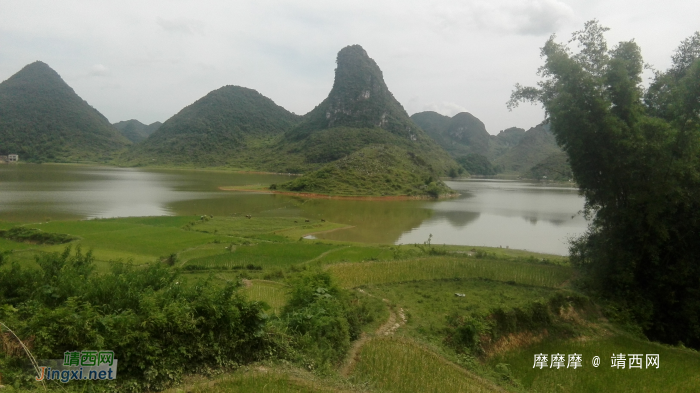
(477, 164)
(359, 111)
(513, 150)
(537, 144)
(460, 135)
(374, 170)
(553, 168)
(214, 130)
(43, 119)
(135, 131)
(634, 153)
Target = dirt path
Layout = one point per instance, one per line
(393, 323)
(327, 252)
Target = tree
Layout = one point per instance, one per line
(635, 155)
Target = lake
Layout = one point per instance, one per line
(520, 215)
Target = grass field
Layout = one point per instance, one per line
(266, 255)
(399, 366)
(428, 303)
(263, 382)
(141, 239)
(250, 227)
(677, 372)
(352, 275)
(146, 239)
(357, 254)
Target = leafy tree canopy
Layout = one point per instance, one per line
(635, 154)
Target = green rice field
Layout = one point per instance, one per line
(270, 292)
(399, 366)
(352, 275)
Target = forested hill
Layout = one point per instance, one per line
(215, 130)
(459, 135)
(513, 150)
(136, 131)
(376, 170)
(359, 111)
(43, 119)
(536, 145)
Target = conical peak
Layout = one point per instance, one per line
(357, 76)
(39, 69)
(37, 76)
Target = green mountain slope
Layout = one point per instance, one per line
(377, 170)
(135, 131)
(359, 111)
(504, 141)
(215, 130)
(43, 119)
(555, 167)
(536, 144)
(460, 135)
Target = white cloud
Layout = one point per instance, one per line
(530, 17)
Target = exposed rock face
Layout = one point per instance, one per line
(359, 99)
(359, 111)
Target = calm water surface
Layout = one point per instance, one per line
(490, 213)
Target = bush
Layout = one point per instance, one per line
(469, 333)
(324, 318)
(35, 236)
(157, 327)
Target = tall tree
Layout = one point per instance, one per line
(636, 157)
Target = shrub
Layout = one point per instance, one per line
(35, 236)
(157, 327)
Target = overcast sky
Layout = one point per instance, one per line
(147, 60)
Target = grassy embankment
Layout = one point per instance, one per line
(501, 288)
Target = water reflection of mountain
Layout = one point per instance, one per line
(554, 221)
(458, 219)
(374, 221)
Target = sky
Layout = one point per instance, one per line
(147, 60)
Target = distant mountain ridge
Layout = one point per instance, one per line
(460, 135)
(43, 119)
(536, 145)
(135, 131)
(513, 150)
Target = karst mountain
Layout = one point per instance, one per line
(43, 120)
